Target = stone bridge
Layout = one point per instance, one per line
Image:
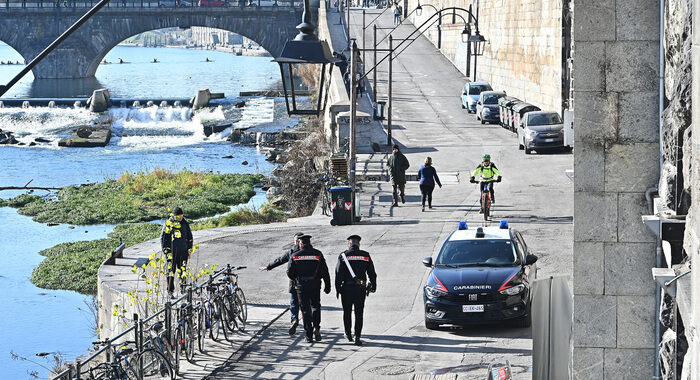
(29, 28)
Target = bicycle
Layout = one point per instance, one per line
(157, 358)
(485, 200)
(235, 307)
(328, 182)
(184, 332)
(120, 368)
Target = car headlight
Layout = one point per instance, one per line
(434, 292)
(471, 101)
(513, 290)
(532, 133)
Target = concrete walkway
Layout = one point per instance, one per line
(535, 196)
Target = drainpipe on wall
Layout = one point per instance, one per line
(648, 194)
(657, 292)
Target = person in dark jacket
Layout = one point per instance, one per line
(176, 242)
(428, 178)
(306, 268)
(293, 298)
(353, 287)
(398, 164)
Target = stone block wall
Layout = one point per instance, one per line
(616, 71)
(524, 51)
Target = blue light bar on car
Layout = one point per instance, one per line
(463, 226)
(504, 224)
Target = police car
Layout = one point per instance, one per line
(481, 274)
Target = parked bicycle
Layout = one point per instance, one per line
(157, 356)
(234, 306)
(123, 365)
(328, 182)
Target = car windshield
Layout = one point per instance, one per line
(544, 119)
(478, 252)
(476, 89)
(491, 99)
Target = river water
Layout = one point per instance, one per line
(36, 320)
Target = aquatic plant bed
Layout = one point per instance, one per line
(141, 197)
(74, 265)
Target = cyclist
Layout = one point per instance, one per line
(488, 171)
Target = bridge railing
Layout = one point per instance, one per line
(173, 4)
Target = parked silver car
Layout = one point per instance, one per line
(540, 130)
(487, 106)
(470, 94)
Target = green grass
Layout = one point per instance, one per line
(141, 197)
(73, 266)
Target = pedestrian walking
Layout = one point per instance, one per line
(398, 163)
(351, 272)
(176, 242)
(397, 13)
(293, 298)
(427, 176)
(342, 63)
(307, 267)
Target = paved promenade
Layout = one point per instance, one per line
(535, 196)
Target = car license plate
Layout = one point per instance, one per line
(548, 140)
(473, 308)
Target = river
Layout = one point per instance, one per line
(36, 320)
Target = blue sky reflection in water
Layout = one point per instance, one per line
(37, 320)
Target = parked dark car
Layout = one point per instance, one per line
(480, 275)
(541, 130)
(487, 106)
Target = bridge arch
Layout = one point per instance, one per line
(30, 31)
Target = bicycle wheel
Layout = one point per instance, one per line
(131, 373)
(214, 316)
(228, 312)
(155, 365)
(201, 329)
(189, 340)
(241, 308)
(487, 208)
(178, 348)
(102, 371)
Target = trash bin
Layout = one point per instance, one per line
(519, 110)
(341, 204)
(379, 108)
(509, 114)
(503, 104)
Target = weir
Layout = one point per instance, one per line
(69, 102)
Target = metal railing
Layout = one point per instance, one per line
(80, 368)
(163, 4)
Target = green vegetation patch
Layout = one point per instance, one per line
(73, 266)
(141, 197)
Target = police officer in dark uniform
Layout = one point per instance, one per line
(306, 268)
(293, 298)
(351, 272)
(176, 242)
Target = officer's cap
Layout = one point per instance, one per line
(354, 238)
(305, 238)
(298, 235)
(177, 211)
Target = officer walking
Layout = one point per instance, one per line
(351, 272)
(306, 268)
(176, 242)
(293, 299)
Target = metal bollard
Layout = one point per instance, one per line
(168, 320)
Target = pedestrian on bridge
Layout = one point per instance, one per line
(351, 272)
(427, 177)
(398, 164)
(176, 242)
(306, 268)
(293, 298)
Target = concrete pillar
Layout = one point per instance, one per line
(100, 100)
(616, 159)
(692, 229)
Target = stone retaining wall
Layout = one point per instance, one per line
(524, 52)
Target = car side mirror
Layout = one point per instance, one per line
(479, 103)
(529, 259)
(428, 262)
(464, 93)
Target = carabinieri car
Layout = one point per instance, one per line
(480, 275)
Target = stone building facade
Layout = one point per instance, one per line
(524, 53)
